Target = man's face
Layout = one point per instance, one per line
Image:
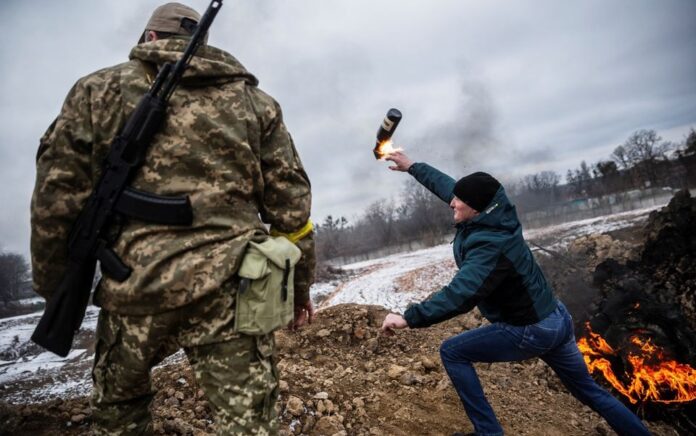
(462, 211)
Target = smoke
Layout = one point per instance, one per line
(467, 140)
(454, 133)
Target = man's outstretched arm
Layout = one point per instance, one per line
(433, 179)
(483, 270)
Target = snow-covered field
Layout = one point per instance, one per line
(377, 281)
(562, 234)
(30, 374)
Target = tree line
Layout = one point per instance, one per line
(417, 215)
(643, 160)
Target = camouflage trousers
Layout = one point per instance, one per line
(236, 372)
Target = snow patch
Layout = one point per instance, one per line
(378, 284)
(45, 361)
(48, 375)
(566, 232)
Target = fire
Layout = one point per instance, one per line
(385, 148)
(651, 376)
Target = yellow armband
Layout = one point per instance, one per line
(298, 235)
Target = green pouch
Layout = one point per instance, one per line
(266, 294)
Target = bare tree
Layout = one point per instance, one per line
(583, 174)
(582, 179)
(688, 148)
(379, 223)
(14, 275)
(645, 151)
(606, 168)
(330, 234)
(620, 156)
(424, 212)
(538, 190)
(544, 181)
(645, 145)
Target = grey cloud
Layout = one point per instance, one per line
(511, 87)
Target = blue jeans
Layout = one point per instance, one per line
(552, 339)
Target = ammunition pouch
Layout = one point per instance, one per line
(265, 300)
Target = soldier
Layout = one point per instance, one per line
(224, 144)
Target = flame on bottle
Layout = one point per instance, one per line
(650, 378)
(385, 148)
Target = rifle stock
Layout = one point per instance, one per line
(66, 309)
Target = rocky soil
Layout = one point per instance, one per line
(339, 376)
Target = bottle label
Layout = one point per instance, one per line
(387, 124)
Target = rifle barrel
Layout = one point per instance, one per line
(196, 39)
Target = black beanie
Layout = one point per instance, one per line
(477, 189)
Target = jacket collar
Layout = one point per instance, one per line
(499, 214)
(209, 63)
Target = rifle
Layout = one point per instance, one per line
(111, 200)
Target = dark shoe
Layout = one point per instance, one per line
(463, 434)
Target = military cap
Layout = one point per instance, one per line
(173, 18)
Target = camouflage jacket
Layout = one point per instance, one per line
(223, 143)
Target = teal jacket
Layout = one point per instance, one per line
(497, 271)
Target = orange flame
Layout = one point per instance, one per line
(385, 148)
(652, 377)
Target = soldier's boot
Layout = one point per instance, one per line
(240, 380)
(122, 419)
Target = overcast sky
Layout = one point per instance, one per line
(509, 87)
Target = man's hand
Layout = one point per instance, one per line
(391, 322)
(403, 163)
(304, 313)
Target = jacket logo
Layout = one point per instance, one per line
(490, 209)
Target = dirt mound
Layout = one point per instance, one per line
(338, 376)
(568, 262)
(600, 247)
(669, 253)
(666, 269)
(652, 299)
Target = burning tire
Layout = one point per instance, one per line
(640, 336)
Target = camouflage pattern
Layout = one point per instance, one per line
(304, 270)
(224, 144)
(236, 372)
